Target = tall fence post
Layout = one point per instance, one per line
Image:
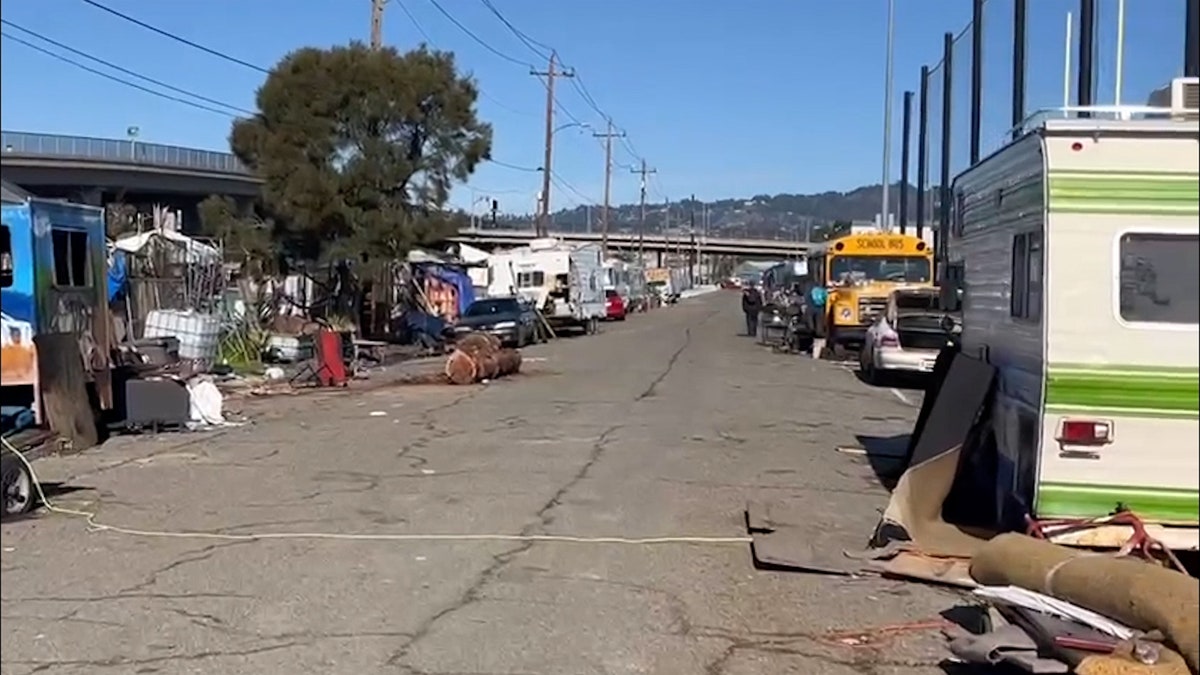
(1191, 39)
(1087, 45)
(976, 78)
(1020, 13)
(944, 189)
(905, 142)
(922, 150)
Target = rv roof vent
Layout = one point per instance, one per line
(1185, 98)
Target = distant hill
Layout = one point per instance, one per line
(781, 216)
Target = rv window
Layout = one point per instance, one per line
(960, 202)
(531, 279)
(1158, 281)
(70, 258)
(1026, 299)
(1033, 285)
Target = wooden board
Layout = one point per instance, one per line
(65, 402)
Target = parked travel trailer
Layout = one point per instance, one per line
(566, 283)
(1074, 252)
(627, 279)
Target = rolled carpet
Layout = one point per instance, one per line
(1169, 663)
(1143, 596)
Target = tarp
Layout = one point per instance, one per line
(117, 273)
(194, 250)
(462, 284)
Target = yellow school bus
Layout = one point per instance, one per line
(859, 272)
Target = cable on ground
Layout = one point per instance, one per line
(95, 526)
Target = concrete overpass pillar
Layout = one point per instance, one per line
(660, 258)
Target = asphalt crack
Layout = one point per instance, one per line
(503, 559)
(671, 361)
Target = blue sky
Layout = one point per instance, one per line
(723, 98)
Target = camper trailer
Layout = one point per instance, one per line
(566, 283)
(627, 279)
(1074, 252)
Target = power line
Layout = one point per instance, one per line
(168, 34)
(514, 167)
(122, 69)
(533, 45)
(428, 40)
(544, 51)
(114, 78)
(483, 43)
(583, 92)
(189, 43)
(561, 182)
(511, 59)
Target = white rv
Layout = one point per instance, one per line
(1074, 251)
(565, 282)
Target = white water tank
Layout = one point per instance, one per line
(198, 334)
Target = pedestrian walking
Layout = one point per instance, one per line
(752, 303)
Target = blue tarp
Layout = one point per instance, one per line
(460, 281)
(116, 274)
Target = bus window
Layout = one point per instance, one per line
(859, 268)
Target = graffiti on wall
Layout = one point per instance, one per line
(18, 360)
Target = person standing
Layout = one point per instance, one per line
(752, 303)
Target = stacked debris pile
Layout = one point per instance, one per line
(1160, 606)
(478, 357)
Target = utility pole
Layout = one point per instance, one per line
(608, 137)
(377, 23)
(543, 223)
(643, 171)
(666, 230)
(695, 241)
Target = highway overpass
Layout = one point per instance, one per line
(89, 169)
(656, 243)
(100, 170)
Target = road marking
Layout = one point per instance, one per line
(900, 395)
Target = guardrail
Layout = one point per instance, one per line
(111, 150)
(684, 241)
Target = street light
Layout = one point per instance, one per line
(571, 125)
(132, 133)
(884, 220)
(542, 224)
(476, 201)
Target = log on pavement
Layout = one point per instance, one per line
(475, 362)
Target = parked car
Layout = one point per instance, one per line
(615, 305)
(513, 321)
(907, 337)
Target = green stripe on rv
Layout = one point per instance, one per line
(1070, 500)
(1124, 193)
(1134, 392)
(1068, 367)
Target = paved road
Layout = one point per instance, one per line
(662, 426)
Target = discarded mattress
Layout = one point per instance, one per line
(1141, 595)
